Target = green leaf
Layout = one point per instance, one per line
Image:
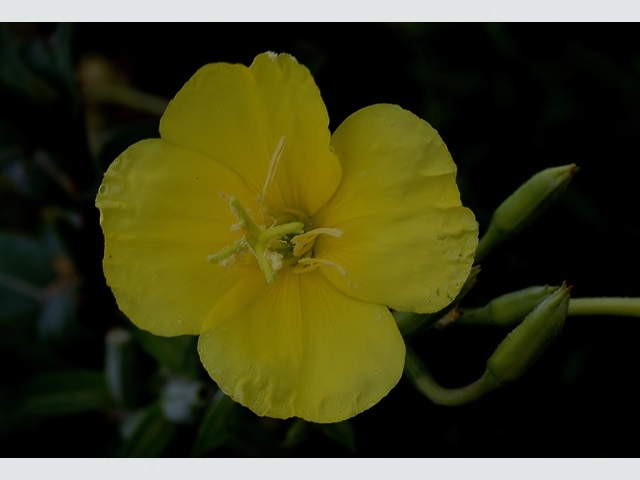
(151, 435)
(25, 267)
(297, 433)
(51, 58)
(341, 432)
(26, 355)
(65, 393)
(57, 320)
(14, 74)
(215, 429)
(39, 175)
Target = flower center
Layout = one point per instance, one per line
(283, 244)
(275, 247)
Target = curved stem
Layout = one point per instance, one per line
(626, 306)
(424, 382)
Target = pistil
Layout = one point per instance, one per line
(257, 240)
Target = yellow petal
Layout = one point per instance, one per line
(302, 348)
(407, 242)
(162, 215)
(267, 122)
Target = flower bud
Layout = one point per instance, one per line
(507, 309)
(530, 339)
(524, 205)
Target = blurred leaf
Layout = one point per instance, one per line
(175, 353)
(38, 175)
(62, 44)
(65, 392)
(214, 429)
(23, 212)
(25, 355)
(14, 73)
(25, 267)
(151, 435)
(298, 432)
(51, 57)
(341, 432)
(57, 320)
(16, 171)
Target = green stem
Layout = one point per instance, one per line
(626, 306)
(424, 382)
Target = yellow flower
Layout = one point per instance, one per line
(280, 245)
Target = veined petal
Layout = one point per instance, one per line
(267, 122)
(162, 214)
(300, 347)
(407, 242)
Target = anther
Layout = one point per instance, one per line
(304, 242)
(309, 264)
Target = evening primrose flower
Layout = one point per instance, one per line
(283, 246)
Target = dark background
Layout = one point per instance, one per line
(508, 99)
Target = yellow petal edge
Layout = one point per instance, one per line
(302, 348)
(407, 240)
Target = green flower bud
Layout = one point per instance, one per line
(525, 205)
(530, 339)
(508, 309)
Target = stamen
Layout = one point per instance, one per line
(228, 251)
(272, 246)
(280, 231)
(264, 262)
(309, 264)
(273, 164)
(304, 242)
(242, 215)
